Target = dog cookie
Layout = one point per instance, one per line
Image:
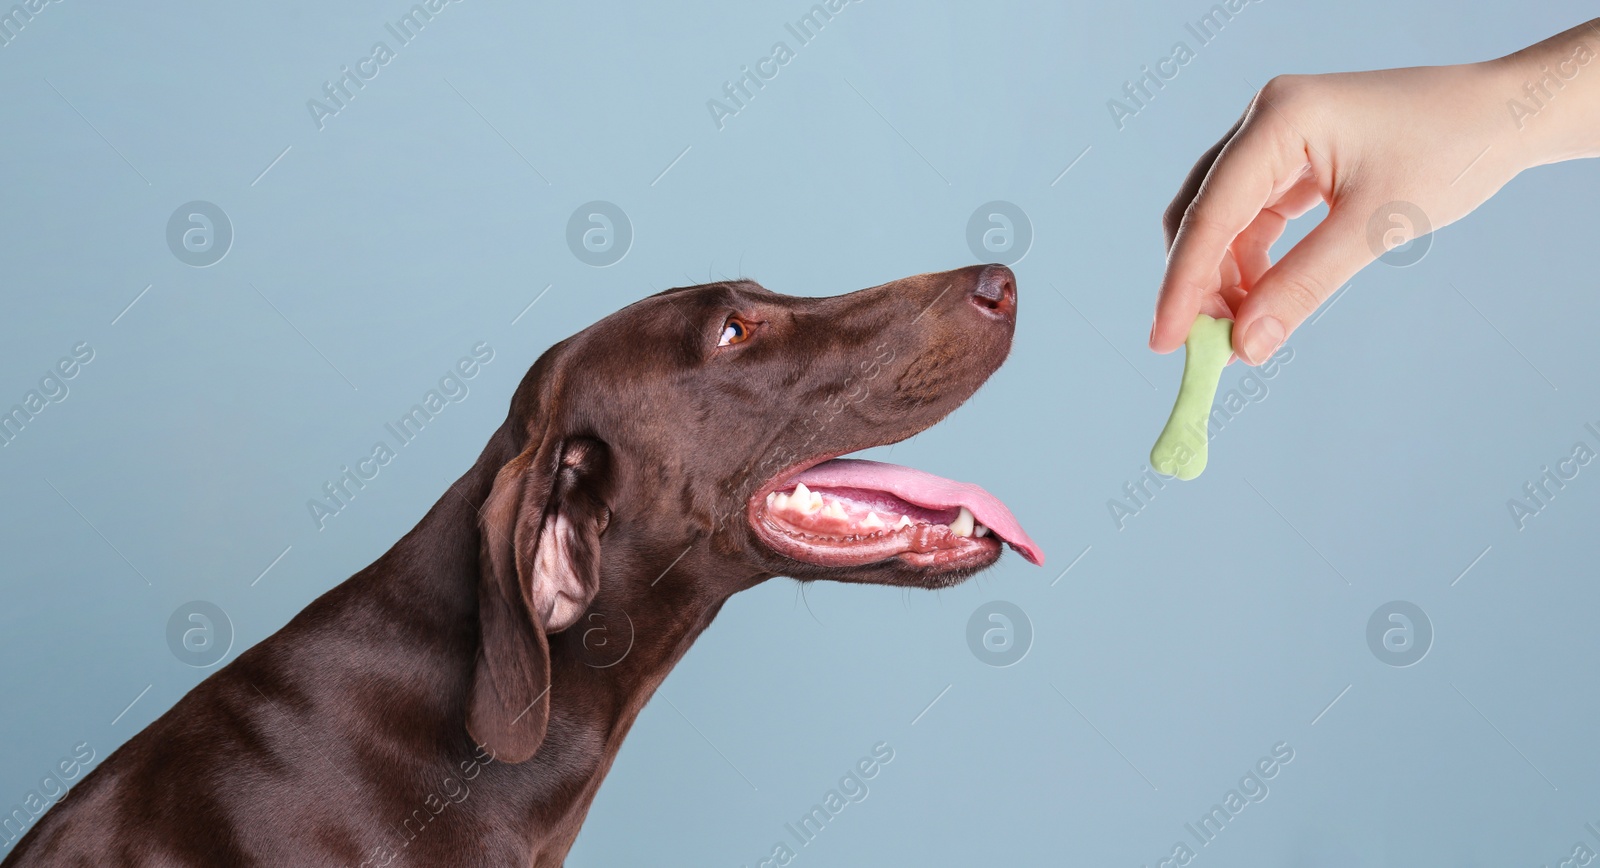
(1181, 449)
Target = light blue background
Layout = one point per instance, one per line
(1176, 652)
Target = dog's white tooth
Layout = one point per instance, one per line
(904, 522)
(963, 524)
(872, 521)
(801, 493)
(980, 530)
(834, 509)
(816, 502)
(771, 496)
(781, 502)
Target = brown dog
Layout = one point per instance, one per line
(652, 465)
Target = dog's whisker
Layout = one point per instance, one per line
(801, 595)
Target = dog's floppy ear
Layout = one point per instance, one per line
(539, 568)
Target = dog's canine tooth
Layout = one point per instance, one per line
(963, 524)
(804, 500)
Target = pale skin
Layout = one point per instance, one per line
(1443, 138)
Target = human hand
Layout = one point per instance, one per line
(1439, 138)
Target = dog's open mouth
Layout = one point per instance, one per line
(852, 512)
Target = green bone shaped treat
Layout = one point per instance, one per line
(1181, 449)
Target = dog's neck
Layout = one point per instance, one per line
(604, 668)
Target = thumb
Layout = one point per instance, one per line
(1300, 282)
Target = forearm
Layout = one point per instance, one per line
(1552, 96)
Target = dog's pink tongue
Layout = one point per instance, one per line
(924, 489)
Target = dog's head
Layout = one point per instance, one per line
(687, 446)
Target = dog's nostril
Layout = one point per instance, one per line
(996, 290)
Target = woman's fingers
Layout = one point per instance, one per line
(1251, 249)
(1172, 218)
(1242, 181)
(1310, 272)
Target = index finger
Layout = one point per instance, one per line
(1173, 216)
(1239, 184)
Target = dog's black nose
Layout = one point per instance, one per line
(995, 292)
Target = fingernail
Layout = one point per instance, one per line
(1152, 340)
(1260, 339)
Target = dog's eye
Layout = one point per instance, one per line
(734, 331)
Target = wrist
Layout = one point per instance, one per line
(1549, 97)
